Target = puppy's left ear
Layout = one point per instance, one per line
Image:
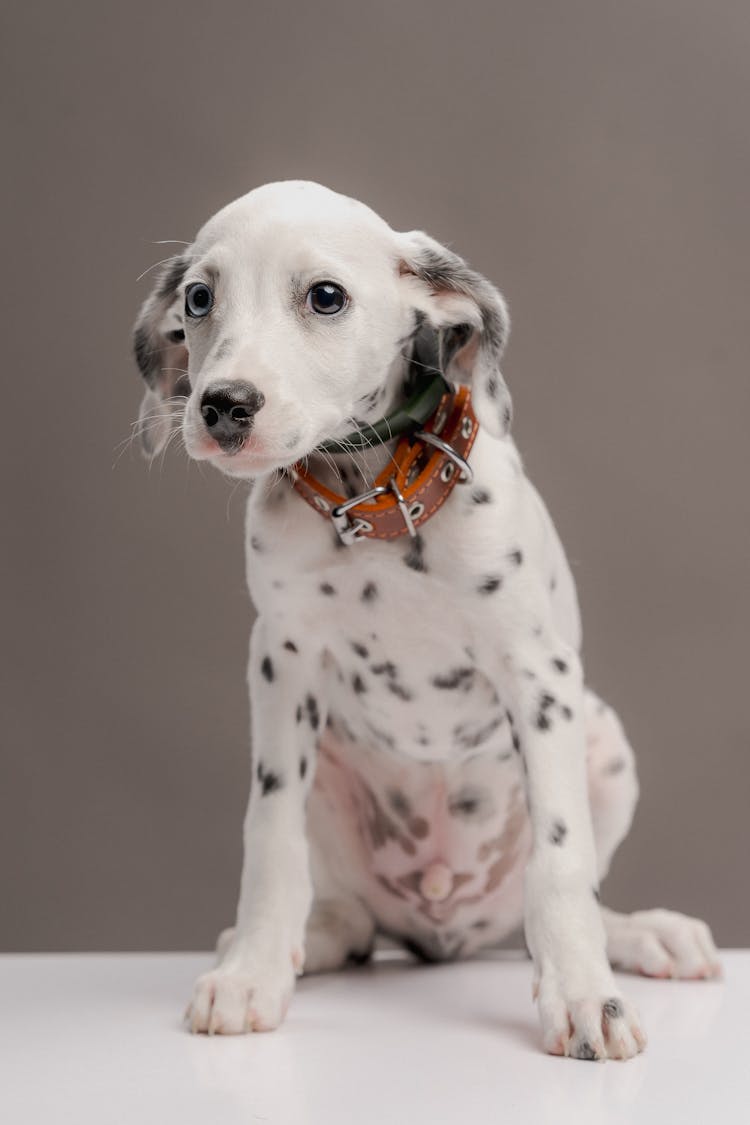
(472, 318)
(161, 355)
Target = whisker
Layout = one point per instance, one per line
(163, 262)
(231, 497)
(172, 409)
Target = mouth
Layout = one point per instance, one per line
(242, 456)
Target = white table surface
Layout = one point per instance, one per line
(97, 1038)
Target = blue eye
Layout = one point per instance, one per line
(326, 298)
(198, 299)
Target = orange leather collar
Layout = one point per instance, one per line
(420, 477)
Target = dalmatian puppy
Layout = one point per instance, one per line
(427, 760)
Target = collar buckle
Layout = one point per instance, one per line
(350, 531)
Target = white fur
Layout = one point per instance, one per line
(355, 652)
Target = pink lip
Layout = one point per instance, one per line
(254, 457)
(206, 448)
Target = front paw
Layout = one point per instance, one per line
(244, 993)
(592, 1021)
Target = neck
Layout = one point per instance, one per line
(350, 470)
(412, 390)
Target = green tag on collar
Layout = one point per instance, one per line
(425, 384)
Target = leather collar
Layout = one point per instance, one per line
(424, 470)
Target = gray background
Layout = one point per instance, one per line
(592, 158)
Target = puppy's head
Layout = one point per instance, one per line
(289, 321)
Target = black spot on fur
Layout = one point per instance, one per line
(290, 646)
(480, 496)
(313, 714)
(360, 649)
(558, 833)
(399, 690)
(457, 677)
(359, 684)
(489, 584)
(299, 713)
(255, 543)
(176, 336)
(559, 664)
(584, 1050)
(595, 892)
(613, 1009)
(266, 668)
(270, 782)
(469, 736)
(302, 767)
(327, 589)
(369, 592)
(514, 738)
(516, 556)
(542, 719)
(567, 712)
(386, 668)
(414, 557)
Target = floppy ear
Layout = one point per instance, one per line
(161, 355)
(473, 321)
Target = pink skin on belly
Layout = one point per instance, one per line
(417, 863)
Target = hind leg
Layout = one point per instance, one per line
(338, 930)
(657, 943)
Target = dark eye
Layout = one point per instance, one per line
(198, 299)
(326, 298)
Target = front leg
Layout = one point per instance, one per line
(582, 1010)
(251, 987)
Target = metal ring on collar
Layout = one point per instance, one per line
(467, 473)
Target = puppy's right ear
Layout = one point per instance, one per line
(161, 355)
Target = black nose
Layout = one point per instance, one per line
(229, 410)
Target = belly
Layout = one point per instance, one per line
(436, 849)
